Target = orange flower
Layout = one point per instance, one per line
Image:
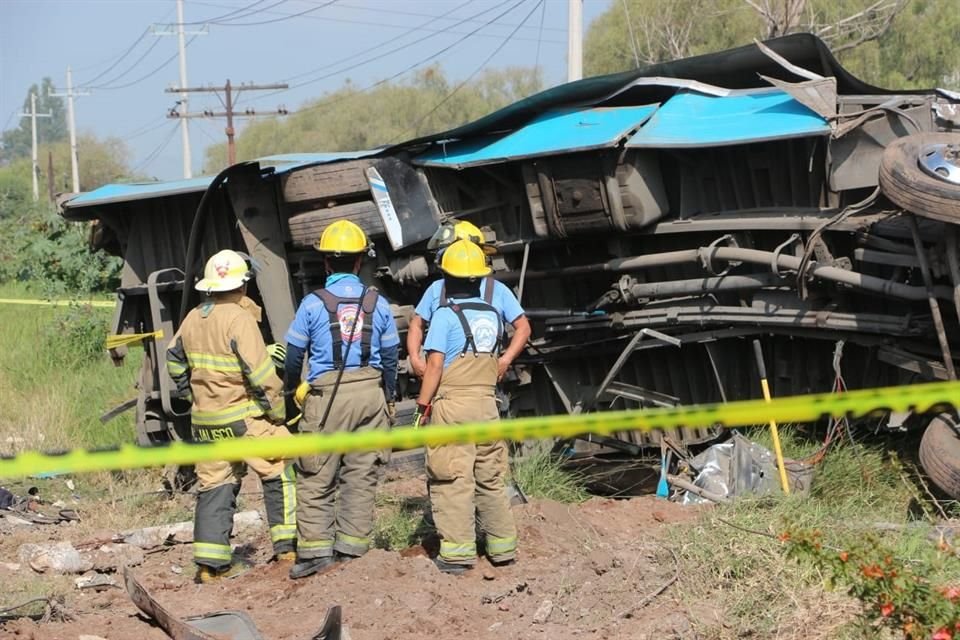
(784, 537)
(951, 592)
(872, 571)
(886, 609)
(844, 556)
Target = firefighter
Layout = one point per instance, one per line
(348, 336)
(458, 386)
(219, 362)
(493, 293)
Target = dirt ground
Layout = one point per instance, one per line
(593, 570)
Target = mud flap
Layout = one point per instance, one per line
(232, 625)
(173, 627)
(331, 629)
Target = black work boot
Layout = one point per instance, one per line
(451, 568)
(304, 568)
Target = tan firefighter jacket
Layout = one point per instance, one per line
(219, 360)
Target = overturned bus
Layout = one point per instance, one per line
(757, 193)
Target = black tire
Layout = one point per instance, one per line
(305, 228)
(910, 187)
(940, 455)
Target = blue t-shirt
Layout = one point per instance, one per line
(446, 332)
(503, 300)
(311, 327)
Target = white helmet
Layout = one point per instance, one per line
(225, 271)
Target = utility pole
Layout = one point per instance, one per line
(182, 54)
(33, 115)
(574, 40)
(50, 179)
(229, 95)
(72, 126)
(184, 129)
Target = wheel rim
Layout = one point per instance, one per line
(941, 161)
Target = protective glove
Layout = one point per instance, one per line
(421, 417)
(392, 412)
(277, 353)
(300, 395)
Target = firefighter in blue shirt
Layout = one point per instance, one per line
(347, 334)
(492, 292)
(458, 386)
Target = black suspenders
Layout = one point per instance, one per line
(367, 303)
(470, 343)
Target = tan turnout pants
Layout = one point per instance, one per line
(324, 524)
(468, 479)
(219, 484)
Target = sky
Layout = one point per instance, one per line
(111, 44)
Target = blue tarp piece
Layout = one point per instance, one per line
(112, 193)
(563, 131)
(697, 120)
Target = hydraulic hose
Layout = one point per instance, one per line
(736, 254)
(196, 231)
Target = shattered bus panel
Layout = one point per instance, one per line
(761, 192)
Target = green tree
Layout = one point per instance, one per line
(890, 43)
(352, 119)
(17, 141)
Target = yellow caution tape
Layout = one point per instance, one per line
(921, 398)
(114, 341)
(60, 303)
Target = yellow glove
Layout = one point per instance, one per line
(277, 353)
(421, 417)
(300, 395)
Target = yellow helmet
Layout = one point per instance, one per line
(448, 233)
(225, 271)
(464, 259)
(342, 238)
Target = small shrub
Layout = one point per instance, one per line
(76, 336)
(895, 594)
(399, 524)
(53, 255)
(541, 475)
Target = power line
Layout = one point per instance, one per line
(119, 59)
(241, 10)
(106, 85)
(151, 126)
(543, 13)
(415, 64)
(379, 9)
(386, 24)
(370, 49)
(281, 19)
(229, 13)
(162, 66)
(405, 46)
(382, 44)
(143, 35)
(9, 118)
(156, 152)
(121, 56)
(479, 68)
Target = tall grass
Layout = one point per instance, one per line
(541, 475)
(754, 591)
(56, 379)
